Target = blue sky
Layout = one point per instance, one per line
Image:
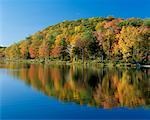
(21, 18)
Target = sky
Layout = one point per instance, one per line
(21, 18)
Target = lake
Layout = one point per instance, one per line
(40, 91)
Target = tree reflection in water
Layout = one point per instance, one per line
(99, 87)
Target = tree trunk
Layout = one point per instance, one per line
(82, 72)
(83, 55)
(102, 57)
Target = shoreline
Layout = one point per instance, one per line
(88, 62)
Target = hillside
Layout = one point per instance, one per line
(103, 39)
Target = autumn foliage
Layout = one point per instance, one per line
(113, 39)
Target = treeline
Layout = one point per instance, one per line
(103, 39)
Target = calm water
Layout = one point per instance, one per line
(47, 91)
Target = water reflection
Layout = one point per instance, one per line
(99, 87)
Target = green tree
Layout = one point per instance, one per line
(147, 22)
(83, 42)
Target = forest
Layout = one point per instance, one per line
(103, 39)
